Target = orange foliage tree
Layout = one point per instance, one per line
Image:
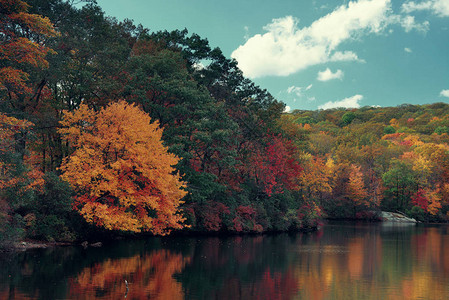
(356, 188)
(123, 174)
(21, 44)
(316, 178)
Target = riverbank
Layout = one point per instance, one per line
(33, 244)
(98, 242)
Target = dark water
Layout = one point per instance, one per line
(341, 261)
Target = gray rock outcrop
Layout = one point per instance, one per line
(396, 217)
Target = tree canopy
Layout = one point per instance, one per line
(122, 172)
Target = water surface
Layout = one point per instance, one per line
(341, 261)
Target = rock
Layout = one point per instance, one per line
(396, 217)
(84, 244)
(99, 244)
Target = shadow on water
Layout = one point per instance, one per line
(343, 260)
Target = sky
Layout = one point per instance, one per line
(316, 54)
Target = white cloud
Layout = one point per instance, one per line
(350, 102)
(408, 50)
(409, 24)
(328, 75)
(285, 48)
(287, 108)
(345, 56)
(295, 90)
(411, 6)
(444, 93)
(437, 7)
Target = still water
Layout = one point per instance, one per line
(340, 261)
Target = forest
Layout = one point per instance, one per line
(109, 128)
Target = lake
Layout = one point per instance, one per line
(343, 260)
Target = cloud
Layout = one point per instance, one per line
(350, 102)
(345, 56)
(408, 50)
(444, 93)
(295, 90)
(287, 108)
(328, 75)
(309, 87)
(437, 7)
(409, 24)
(285, 48)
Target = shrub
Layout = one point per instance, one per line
(52, 218)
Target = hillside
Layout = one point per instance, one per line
(392, 158)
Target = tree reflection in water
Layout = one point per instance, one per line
(343, 261)
(149, 276)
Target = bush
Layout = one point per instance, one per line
(309, 215)
(52, 228)
(441, 129)
(389, 129)
(10, 231)
(417, 213)
(51, 217)
(348, 117)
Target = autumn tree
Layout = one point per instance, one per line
(21, 48)
(316, 178)
(275, 167)
(356, 188)
(123, 174)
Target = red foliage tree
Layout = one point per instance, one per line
(275, 166)
(420, 199)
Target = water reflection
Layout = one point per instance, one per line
(342, 261)
(150, 275)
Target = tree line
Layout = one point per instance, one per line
(359, 161)
(106, 125)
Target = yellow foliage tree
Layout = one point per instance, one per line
(434, 199)
(315, 179)
(123, 174)
(356, 186)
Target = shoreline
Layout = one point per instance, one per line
(35, 244)
(28, 244)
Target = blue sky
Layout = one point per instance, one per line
(315, 54)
